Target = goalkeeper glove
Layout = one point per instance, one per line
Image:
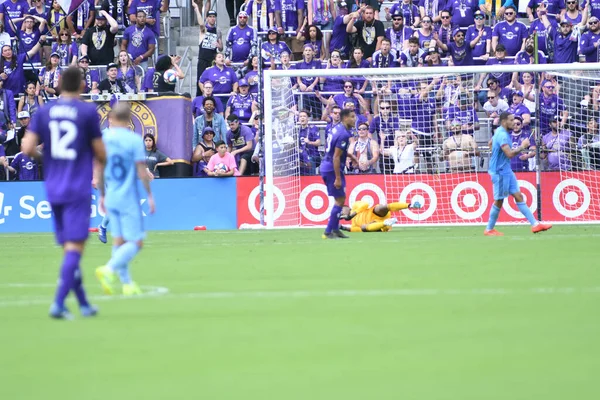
(416, 204)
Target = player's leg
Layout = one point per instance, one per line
(501, 187)
(375, 226)
(133, 235)
(332, 231)
(515, 191)
(102, 228)
(106, 274)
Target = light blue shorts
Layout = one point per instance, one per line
(504, 185)
(127, 224)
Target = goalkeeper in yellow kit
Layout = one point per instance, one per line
(377, 218)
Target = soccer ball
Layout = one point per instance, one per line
(221, 167)
(170, 76)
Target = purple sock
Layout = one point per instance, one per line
(334, 219)
(67, 277)
(79, 290)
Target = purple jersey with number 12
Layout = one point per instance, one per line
(67, 128)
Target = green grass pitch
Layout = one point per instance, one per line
(418, 313)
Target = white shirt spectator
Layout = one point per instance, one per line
(499, 108)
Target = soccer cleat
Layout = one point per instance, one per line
(329, 235)
(88, 311)
(540, 227)
(131, 289)
(106, 279)
(101, 233)
(339, 234)
(390, 221)
(492, 232)
(416, 204)
(59, 313)
(345, 228)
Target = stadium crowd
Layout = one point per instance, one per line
(403, 126)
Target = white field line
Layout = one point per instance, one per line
(163, 293)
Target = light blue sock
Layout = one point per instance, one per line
(121, 258)
(494, 212)
(105, 220)
(527, 213)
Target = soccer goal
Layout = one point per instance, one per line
(432, 127)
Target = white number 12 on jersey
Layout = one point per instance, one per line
(62, 135)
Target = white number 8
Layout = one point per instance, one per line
(62, 135)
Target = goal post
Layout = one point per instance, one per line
(433, 143)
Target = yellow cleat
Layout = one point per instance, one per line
(131, 289)
(106, 278)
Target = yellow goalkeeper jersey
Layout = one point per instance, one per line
(365, 215)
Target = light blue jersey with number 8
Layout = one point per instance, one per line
(124, 149)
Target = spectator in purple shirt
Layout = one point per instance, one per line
(289, 14)
(90, 76)
(398, 34)
(339, 38)
(11, 66)
(24, 166)
(28, 36)
(462, 11)
(66, 48)
(357, 61)
(8, 114)
(223, 78)
(565, 42)
(510, 33)
(242, 104)
(574, 15)
(555, 8)
(333, 83)
(241, 41)
(11, 14)
(83, 18)
(308, 85)
(197, 103)
(151, 8)
(139, 41)
(313, 36)
(542, 30)
(310, 140)
(556, 147)
(240, 141)
(588, 44)
(527, 56)
(550, 106)
(483, 48)
(518, 109)
(460, 50)
(465, 114)
(273, 47)
(408, 9)
(261, 14)
(520, 163)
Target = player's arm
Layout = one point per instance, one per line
(337, 167)
(29, 143)
(142, 172)
(99, 163)
(510, 153)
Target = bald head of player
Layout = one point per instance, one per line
(71, 82)
(120, 115)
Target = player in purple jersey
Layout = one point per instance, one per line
(332, 172)
(70, 131)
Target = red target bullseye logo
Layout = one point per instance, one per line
(367, 192)
(422, 193)
(315, 204)
(254, 202)
(571, 198)
(469, 200)
(529, 196)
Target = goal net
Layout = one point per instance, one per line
(427, 141)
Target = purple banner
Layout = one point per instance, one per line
(70, 5)
(168, 118)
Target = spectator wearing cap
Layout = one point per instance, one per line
(31, 101)
(494, 106)
(408, 9)
(112, 84)
(126, 72)
(434, 58)
(240, 141)
(66, 48)
(309, 141)
(29, 36)
(98, 41)
(339, 39)
(289, 14)
(139, 41)
(510, 33)
(556, 146)
(550, 105)
(465, 113)
(11, 15)
(83, 18)
(272, 48)
(13, 146)
(556, 9)
(307, 84)
(527, 55)
(425, 33)
(204, 150)
(152, 10)
(398, 34)
(313, 37)
(588, 44)
(197, 103)
(11, 66)
(223, 78)
(370, 31)
(154, 157)
(484, 46)
(261, 15)
(518, 109)
(90, 76)
(527, 87)
(210, 43)
(431, 9)
(243, 104)
(459, 50)
(49, 76)
(517, 135)
(209, 118)
(462, 11)
(241, 41)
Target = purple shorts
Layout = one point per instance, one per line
(329, 179)
(72, 221)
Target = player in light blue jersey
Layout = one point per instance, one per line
(105, 219)
(504, 179)
(126, 161)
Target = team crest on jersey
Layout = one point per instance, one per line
(98, 38)
(223, 80)
(241, 41)
(143, 120)
(137, 38)
(510, 35)
(28, 165)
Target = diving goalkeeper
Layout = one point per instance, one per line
(377, 218)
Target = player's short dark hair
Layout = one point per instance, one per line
(346, 113)
(305, 112)
(413, 40)
(219, 143)
(504, 116)
(336, 106)
(208, 98)
(386, 40)
(70, 80)
(121, 112)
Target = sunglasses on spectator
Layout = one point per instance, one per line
(445, 16)
(347, 86)
(84, 62)
(363, 128)
(427, 20)
(479, 17)
(593, 22)
(398, 19)
(509, 13)
(64, 34)
(549, 87)
(491, 97)
(242, 17)
(571, 2)
(384, 107)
